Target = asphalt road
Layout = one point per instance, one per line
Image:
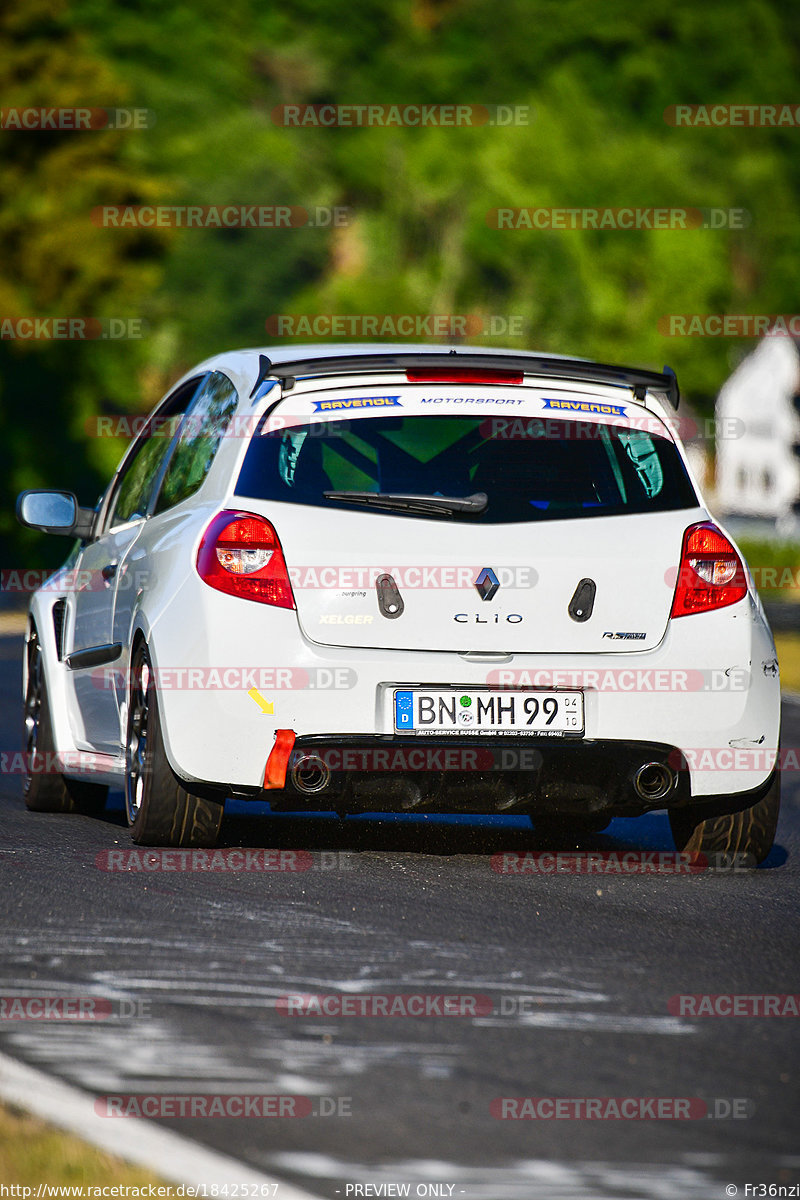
(579, 969)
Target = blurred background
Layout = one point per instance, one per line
(596, 81)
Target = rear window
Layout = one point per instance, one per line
(531, 469)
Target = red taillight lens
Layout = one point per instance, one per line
(240, 554)
(711, 574)
(460, 375)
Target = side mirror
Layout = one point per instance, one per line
(54, 512)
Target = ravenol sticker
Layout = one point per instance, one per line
(587, 406)
(361, 402)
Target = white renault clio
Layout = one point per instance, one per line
(410, 579)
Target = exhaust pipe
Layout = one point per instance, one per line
(310, 774)
(654, 781)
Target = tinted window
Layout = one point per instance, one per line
(531, 469)
(135, 487)
(198, 440)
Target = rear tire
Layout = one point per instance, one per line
(45, 790)
(749, 832)
(160, 810)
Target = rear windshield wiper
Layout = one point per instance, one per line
(409, 502)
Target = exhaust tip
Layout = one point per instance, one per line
(654, 781)
(310, 774)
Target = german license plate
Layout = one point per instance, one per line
(477, 710)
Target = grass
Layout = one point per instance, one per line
(33, 1152)
(775, 567)
(788, 647)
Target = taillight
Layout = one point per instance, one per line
(240, 554)
(460, 375)
(711, 574)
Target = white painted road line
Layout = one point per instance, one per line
(140, 1142)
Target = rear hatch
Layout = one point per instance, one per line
(564, 537)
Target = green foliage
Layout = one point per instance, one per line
(775, 566)
(55, 263)
(597, 78)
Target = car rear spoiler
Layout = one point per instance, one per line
(664, 382)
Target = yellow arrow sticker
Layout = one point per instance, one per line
(265, 705)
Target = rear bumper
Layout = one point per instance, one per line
(710, 692)
(500, 775)
(535, 776)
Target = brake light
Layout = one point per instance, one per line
(240, 554)
(711, 574)
(460, 375)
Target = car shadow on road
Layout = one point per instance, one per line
(427, 833)
(453, 836)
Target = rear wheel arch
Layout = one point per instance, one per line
(161, 811)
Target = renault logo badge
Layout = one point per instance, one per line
(487, 584)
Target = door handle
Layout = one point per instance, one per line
(109, 571)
